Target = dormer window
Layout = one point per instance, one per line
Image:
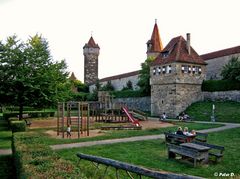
(149, 46)
(165, 54)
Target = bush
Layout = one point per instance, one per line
(220, 85)
(12, 119)
(34, 159)
(18, 126)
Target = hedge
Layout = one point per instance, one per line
(18, 126)
(32, 114)
(34, 159)
(220, 85)
(127, 94)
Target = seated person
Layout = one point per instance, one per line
(185, 132)
(193, 132)
(163, 117)
(179, 131)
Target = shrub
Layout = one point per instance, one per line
(18, 126)
(127, 94)
(220, 85)
(34, 159)
(12, 119)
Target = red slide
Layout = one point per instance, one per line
(130, 117)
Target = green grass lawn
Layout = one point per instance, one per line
(227, 111)
(5, 135)
(113, 134)
(153, 154)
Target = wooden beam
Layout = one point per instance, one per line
(133, 168)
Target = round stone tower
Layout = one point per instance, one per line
(91, 53)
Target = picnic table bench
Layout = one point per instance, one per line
(189, 151)
(215, 150)
(175, 138)
(201, 137)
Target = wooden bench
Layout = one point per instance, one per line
(175, 138)
(201, 137)
(216, 151)
(121, 128)
(184, 152)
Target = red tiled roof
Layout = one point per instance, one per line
(155, 40)
(124, 75)
(221, 53)
(91, 43)
(176, 51)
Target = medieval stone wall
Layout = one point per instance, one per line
(222, 95)
(215, 66)
(140, 103)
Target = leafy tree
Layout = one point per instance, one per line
(108, 87)
(28, 74)
(128, 86)
(231, 71)
(144, 77)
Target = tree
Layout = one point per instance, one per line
(108, 87)
(28, 74)
(144, 77)
(129, 86)
(231, 71)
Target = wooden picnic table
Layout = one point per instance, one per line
(203, 150)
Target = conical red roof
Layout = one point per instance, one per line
(155, 41)
(91, 43)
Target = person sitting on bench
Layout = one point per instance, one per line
(179, 131)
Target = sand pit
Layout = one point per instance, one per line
(52, 123)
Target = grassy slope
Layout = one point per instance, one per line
(225, 111)
(6, 167)
(153, 154)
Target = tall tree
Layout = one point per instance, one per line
(231, 71)
(29, 75)
(144, 77)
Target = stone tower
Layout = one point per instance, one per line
(91, 53)
(154, 45)
(176, 78)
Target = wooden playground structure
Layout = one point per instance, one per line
(79, 114)
(75, 114)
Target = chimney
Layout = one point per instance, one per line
(188, 43)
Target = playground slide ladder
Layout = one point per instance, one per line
(130, 117)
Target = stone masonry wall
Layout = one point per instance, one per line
(222, 95)
(140, 103)
(90, 68)
(215, 65)
(118, 84)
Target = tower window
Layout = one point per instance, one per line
(185, 69)
(169, 69)
(163, 69)
(154, 71)
(159, 70)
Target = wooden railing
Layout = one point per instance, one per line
(130, 169)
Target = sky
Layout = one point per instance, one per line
(120, 27)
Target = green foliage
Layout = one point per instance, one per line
(129, 86)
(144, 77)
(18, 126)
(231, 71)
(35, 159)
(28, 74)
(81, 87)
(107, 87)
(225, 111)
(220, 85)
(127, 94)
